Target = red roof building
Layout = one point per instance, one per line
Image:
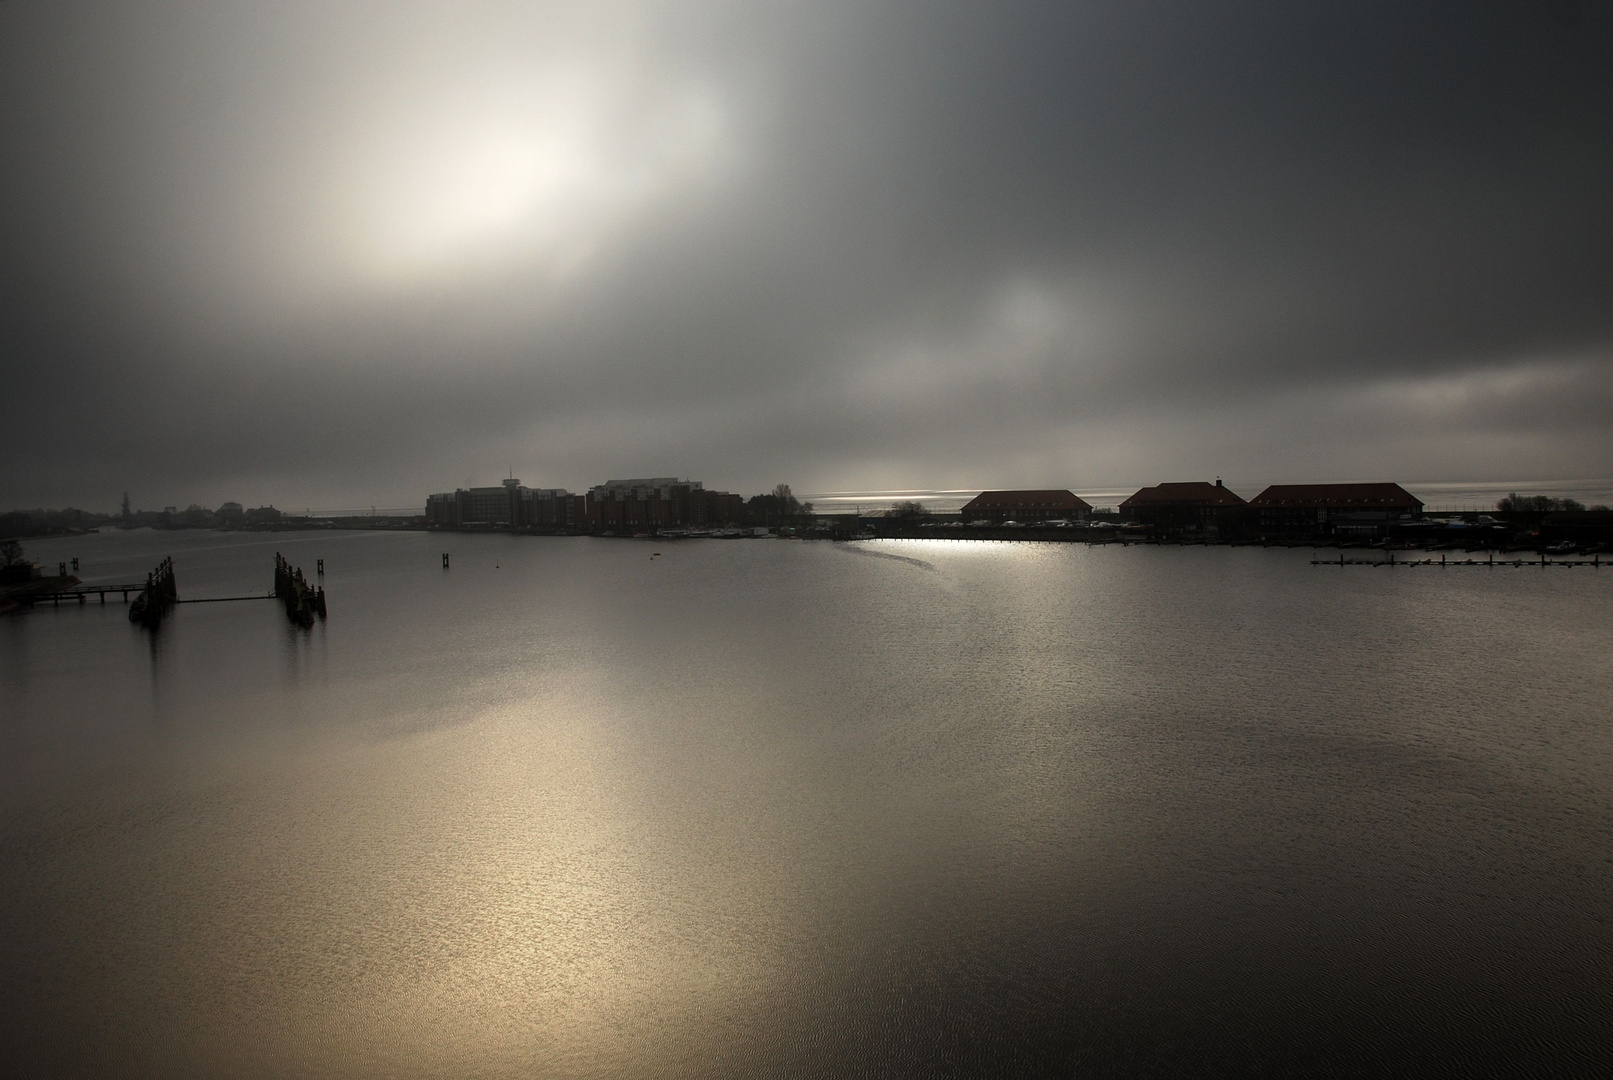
(1049, 505)
(1360, 509)
(1191, 507)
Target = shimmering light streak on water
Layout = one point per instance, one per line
(806, 809)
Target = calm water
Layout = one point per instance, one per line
(780, 808)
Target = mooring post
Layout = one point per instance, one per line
(445, 560)
(319, 567)
(75, 566)
(61, 569)
(1442, 558)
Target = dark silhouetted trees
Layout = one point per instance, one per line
(778, 508)
(1536, 504)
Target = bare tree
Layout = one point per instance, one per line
(11, 553)
(777, 507)
(1529, 509)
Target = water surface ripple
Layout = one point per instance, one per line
(763, 809)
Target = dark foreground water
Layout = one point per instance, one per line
(777, 808)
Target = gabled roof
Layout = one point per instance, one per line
(1026, 500)
(1193, 493)
(1329, 495)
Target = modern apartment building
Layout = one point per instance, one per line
(660, 502)
(508, 506)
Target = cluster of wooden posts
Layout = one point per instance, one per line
(156, 598)
(303, 601)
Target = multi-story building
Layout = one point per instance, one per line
(620, 505)
(508, 506)
(658, 503)
(493, 507)
(1041, 505)
(1193, 508)
(1332, 509)
(551, 508)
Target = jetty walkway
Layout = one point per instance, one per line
(153, 597)
(81, 593)
(1515, 562)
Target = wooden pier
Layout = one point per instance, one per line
(159, 592)
(226, 599)
(82, 593)
(1514, 561)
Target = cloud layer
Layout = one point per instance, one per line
(341, 254)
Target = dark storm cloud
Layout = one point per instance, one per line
(354, 253)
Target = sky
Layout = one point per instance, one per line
(338, 254)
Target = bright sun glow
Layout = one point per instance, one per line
(545, 174)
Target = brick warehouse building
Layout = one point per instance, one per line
(1343, 510)
(1193, 508)
(1042, 505)
(661, 502)
(508, 506)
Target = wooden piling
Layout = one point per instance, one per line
(302, 601)
(157, 597)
